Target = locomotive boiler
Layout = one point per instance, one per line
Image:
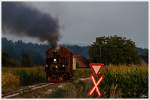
(59, 64)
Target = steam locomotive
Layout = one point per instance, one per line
(59, 64)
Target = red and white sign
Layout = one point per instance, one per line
(95, 68)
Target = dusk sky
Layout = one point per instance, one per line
(81, 22)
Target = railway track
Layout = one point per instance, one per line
(37, 90)
(26, 89)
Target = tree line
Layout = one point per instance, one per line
(28, 54)
(114, 50)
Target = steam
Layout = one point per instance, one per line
(21, 19)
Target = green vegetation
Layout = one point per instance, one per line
(68, 90)
(125, 81)
(13, 78)
(114, 50)
(10, 82)
(119, 81)
(81, 72)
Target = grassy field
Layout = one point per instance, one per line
(120, 81)
(14, 78)
(125, 81)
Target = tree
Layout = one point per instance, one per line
(5, 58)
(26, 60)
(8, 61)
(113, 50)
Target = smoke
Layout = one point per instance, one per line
(21, 19)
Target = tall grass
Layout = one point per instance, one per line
(125, 81)
(119, 81)
(21, 76)
(10, 82)
(27, 75)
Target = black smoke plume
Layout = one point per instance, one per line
(21, 19)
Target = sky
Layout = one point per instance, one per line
(81, 22)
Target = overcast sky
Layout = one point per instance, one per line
(82, 22)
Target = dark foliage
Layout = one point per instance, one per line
(17, 53)
(28, 54)
(21, 53)
(114, 50)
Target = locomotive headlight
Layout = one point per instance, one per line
(54, 60)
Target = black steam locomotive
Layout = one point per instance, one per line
(59, 64)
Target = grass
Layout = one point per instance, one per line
(68, 90)
(81, 72)
(119, 81)
(13, 78)
(10, 82)
(125, 81)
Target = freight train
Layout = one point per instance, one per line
(59, 64)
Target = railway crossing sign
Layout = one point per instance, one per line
(95, 68)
